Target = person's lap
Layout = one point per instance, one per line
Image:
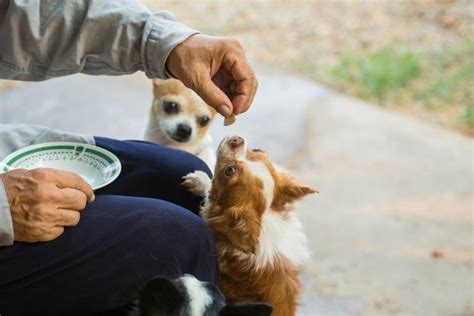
(120, 242)
(150, 170)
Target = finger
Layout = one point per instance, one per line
(223, 80)
(239, 102)
(72, 199)
(65, 179)
(252, 96)
(215, 97)
(245, 83)
(244, 94)
(67, 217)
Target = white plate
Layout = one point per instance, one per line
(95, 165)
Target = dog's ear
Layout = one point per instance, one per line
(160, 296)
(247, 309)
(158, 86)
(157, 82)
(213, 111)
(289, 191)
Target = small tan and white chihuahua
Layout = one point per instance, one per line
(179, 118)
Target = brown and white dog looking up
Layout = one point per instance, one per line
(179, 118)
(250, 209)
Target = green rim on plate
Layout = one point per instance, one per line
(99, 167)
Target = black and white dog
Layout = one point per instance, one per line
(187, 296)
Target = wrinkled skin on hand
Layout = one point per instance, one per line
(44, 201)
(217, 70)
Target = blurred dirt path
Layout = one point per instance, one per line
(392, 227)
(390, 232)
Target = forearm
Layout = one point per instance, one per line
(46, 39)
(6, 226)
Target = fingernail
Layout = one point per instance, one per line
(225, 110)
(93, 197)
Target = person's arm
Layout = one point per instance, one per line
(46, 39)
(6, 225)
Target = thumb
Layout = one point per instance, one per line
(214, 96)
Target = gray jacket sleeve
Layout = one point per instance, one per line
(42, 39)
(6, 225)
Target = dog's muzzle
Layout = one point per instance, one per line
(182, 133)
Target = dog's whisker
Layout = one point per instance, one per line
(158, 128)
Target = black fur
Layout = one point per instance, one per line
(160, 297)
(250, 309)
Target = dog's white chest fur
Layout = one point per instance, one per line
(282, 235)
(206, 152)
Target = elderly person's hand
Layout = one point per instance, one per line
(217, 69)
(44, 201)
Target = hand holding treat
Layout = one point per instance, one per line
(221, 74)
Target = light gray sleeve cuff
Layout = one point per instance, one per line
(6, 224)
(161, 35)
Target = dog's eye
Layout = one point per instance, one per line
(204, 120)
(230, 171)
(257, 150)
(170, 107)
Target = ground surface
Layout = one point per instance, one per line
(391, 231)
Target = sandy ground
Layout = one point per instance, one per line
(391, 232)
(392, 228)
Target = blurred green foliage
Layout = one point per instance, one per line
(452, 72)
(435, 80)
(468, 116)
(377, 73)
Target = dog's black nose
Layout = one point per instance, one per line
(184, 131)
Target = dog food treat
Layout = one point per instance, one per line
(229, 120)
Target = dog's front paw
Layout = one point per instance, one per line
(197, 182)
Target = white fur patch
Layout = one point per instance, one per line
(199, 298)
(281, 235)
(197, 182)
(260, 171)
(207, 153)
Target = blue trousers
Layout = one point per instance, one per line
(143, 224)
